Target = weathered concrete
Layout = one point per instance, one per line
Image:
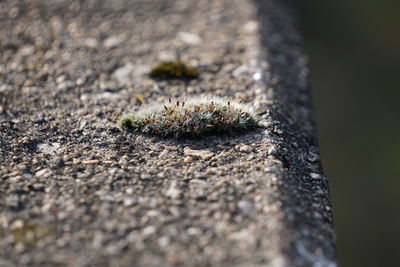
(77, 191)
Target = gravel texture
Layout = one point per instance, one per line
(75, 190)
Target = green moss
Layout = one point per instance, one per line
(29, 234)
(173, 70)
(194, 118)
(130, 122)
(127, 122)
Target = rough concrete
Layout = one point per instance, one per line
(77, 191)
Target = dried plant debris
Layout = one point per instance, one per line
(195, 117)
(173, 70)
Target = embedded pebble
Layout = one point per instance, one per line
(189, 38)
(91, 42)
(113, 41)
(90, 162)
(203, 154)
(50, 149)
(245, 148)
(173, 191)
(315, 176)
(272, 151)
(43, 173)
(188, 159)
(129, 201)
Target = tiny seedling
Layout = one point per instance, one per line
(192, 118)
(173, 70)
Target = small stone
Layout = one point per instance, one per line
(43, 173)
(91, 43)
(212, 171)
(60, 79)
(188, 159)
(172, 148)
(315, 176)
(161, 175)
(108, 85)
(200, 175)
(13, 174)
(107, 96)
(27, 175)
(64, 86)
(129, 201)
(58, 162)
(22, 167)
(149, 230)
(145, 176)
(193, 231)
(235, 170)
(164, 241)
(173, 191)
(250, 26)
(245, 148)
(82, 124)
(49, 149)
(38, 186)
(199, 183)
(203, 154)
(312, 157)
(26, 50)
(240, 70)
(272, 151)
(153, 213)
(80, 81)
(123, 162)
(113, 41)
(189, 38)
(17, 224)
(46, 207)
(90, 162)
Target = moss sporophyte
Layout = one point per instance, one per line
(192, 118)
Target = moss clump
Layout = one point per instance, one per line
(29, 234)
(193, 118)
(173, 70)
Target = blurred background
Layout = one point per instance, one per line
(354, 50)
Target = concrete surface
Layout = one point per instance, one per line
(77, 191)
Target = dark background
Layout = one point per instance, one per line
(354, 50)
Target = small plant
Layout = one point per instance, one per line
(173, 70)
(192, 118)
